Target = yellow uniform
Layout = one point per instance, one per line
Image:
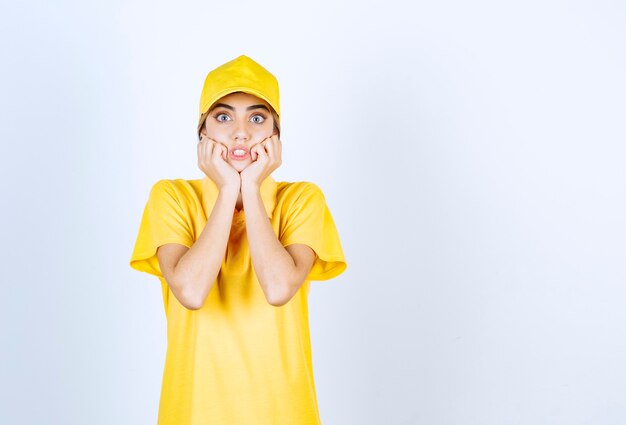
(238, 359)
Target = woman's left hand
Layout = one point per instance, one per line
(266, 157)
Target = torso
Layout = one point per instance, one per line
(212, 350)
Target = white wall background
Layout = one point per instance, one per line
(472, 154)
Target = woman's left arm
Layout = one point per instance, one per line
(280, 270)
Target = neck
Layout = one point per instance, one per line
(239, 204)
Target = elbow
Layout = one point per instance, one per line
(192, 305)
(279, 297)
(189, 299)
(193, 301)
(278, 302)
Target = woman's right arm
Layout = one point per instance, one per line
(191, 272)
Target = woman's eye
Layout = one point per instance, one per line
(258, 116)
(222, 117)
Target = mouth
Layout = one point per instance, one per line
(239, 153)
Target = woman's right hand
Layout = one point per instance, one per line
(212, 161)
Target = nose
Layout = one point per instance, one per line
(241, 132)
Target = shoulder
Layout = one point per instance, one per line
(181, 190)
(299, 199)
(298, 192)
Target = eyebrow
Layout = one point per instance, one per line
(249, 108)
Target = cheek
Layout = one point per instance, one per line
(261, 134)
(215, 132)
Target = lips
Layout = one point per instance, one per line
(239, 152)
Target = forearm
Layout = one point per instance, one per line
(197, 270)
(272, 263)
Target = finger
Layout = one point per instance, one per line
(261, 150)
(257, 149)
(215, 152)
(220, 151)
(203, 144)
(270, 148)
(208, 153)
(275, 142)
(273, 147)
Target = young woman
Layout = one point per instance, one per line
(235, 253)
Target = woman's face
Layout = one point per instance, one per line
(239, 120)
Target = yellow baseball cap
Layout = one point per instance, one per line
(240, 74)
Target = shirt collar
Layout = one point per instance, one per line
(268, 190)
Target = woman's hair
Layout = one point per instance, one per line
(272, 111)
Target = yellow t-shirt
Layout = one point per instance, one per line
(238, 359)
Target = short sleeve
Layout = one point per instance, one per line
(163, 221)
(310, 222)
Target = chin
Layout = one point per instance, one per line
(239, 166)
